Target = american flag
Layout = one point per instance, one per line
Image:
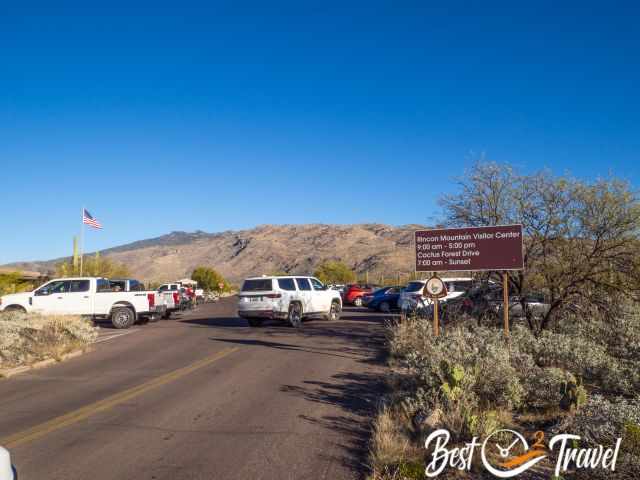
(89, 220)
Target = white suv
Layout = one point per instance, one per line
(289, 298)
(412, 294)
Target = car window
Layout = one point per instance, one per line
(414, 287)
(79, 286)
(303, 284)
(317, 284)
(60, 287)
(50, 287)
(258, 285)
(103, 285)
(136, 286)
(163, 288)
(117, 285)
(286, 284)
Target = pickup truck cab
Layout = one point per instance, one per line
(88, 296)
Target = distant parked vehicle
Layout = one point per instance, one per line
(181, 301)
(354, 293)
(384, 299)
(90, 296)
(287, 298)
(412, 295)
(485, 302)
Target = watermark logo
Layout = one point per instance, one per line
(507, 454)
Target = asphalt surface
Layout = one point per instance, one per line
(202, 396)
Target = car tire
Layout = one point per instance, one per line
(294, 316)
(357, 301)
(15, 308)
(122, 317)
(254, 322)
(334, 312)
(385, 307)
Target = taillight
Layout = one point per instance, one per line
(176, 299)
(152, 300)
(273, 295)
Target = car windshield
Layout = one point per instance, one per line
(414, 286)
(258, 285)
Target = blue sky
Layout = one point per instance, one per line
(215, 115)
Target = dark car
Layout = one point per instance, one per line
(485, 301)
(384, 299)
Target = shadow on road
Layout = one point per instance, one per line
(356, 394)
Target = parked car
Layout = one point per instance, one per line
(486, 301)
(354, 293)
(287, 298)
(90, 296)
(384, 299)
(412, 295)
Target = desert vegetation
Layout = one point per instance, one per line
(93, 266)
(334, 272)
(574, 369)
(210, 280)
(28, 338)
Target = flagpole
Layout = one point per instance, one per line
(81, 239)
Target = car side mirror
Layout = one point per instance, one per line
(42, 292)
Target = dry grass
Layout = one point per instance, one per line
(29, 338)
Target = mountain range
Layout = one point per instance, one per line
(297, 249)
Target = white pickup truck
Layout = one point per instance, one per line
(90, 296)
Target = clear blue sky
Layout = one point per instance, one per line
(213, 116)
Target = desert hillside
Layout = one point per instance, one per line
(374, 248)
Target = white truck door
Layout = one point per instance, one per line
(78, 299)
(321, 296)
(305, 294)
(46, 299)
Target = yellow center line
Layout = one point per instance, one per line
(82, 413)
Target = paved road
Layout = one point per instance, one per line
(201, 397)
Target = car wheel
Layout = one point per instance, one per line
(254, 322)
(295, 315)
(15, 308)
(334, 312)
(385, 307)
(358, 302)
(122, 317)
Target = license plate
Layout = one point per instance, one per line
(255, 299)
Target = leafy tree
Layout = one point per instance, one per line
(12, 282)
(581, 239)
(95, 266)
(334, 272)
(209, 279)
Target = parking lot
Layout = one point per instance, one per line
(202, 396)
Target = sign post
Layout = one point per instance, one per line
(497, 248)
(505, 299)
(435, 288)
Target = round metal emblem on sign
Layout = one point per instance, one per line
(435, 288)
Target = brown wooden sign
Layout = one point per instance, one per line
(470, 248)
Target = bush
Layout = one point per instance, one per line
(26, 338)
(334, 272)
(209, 279)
